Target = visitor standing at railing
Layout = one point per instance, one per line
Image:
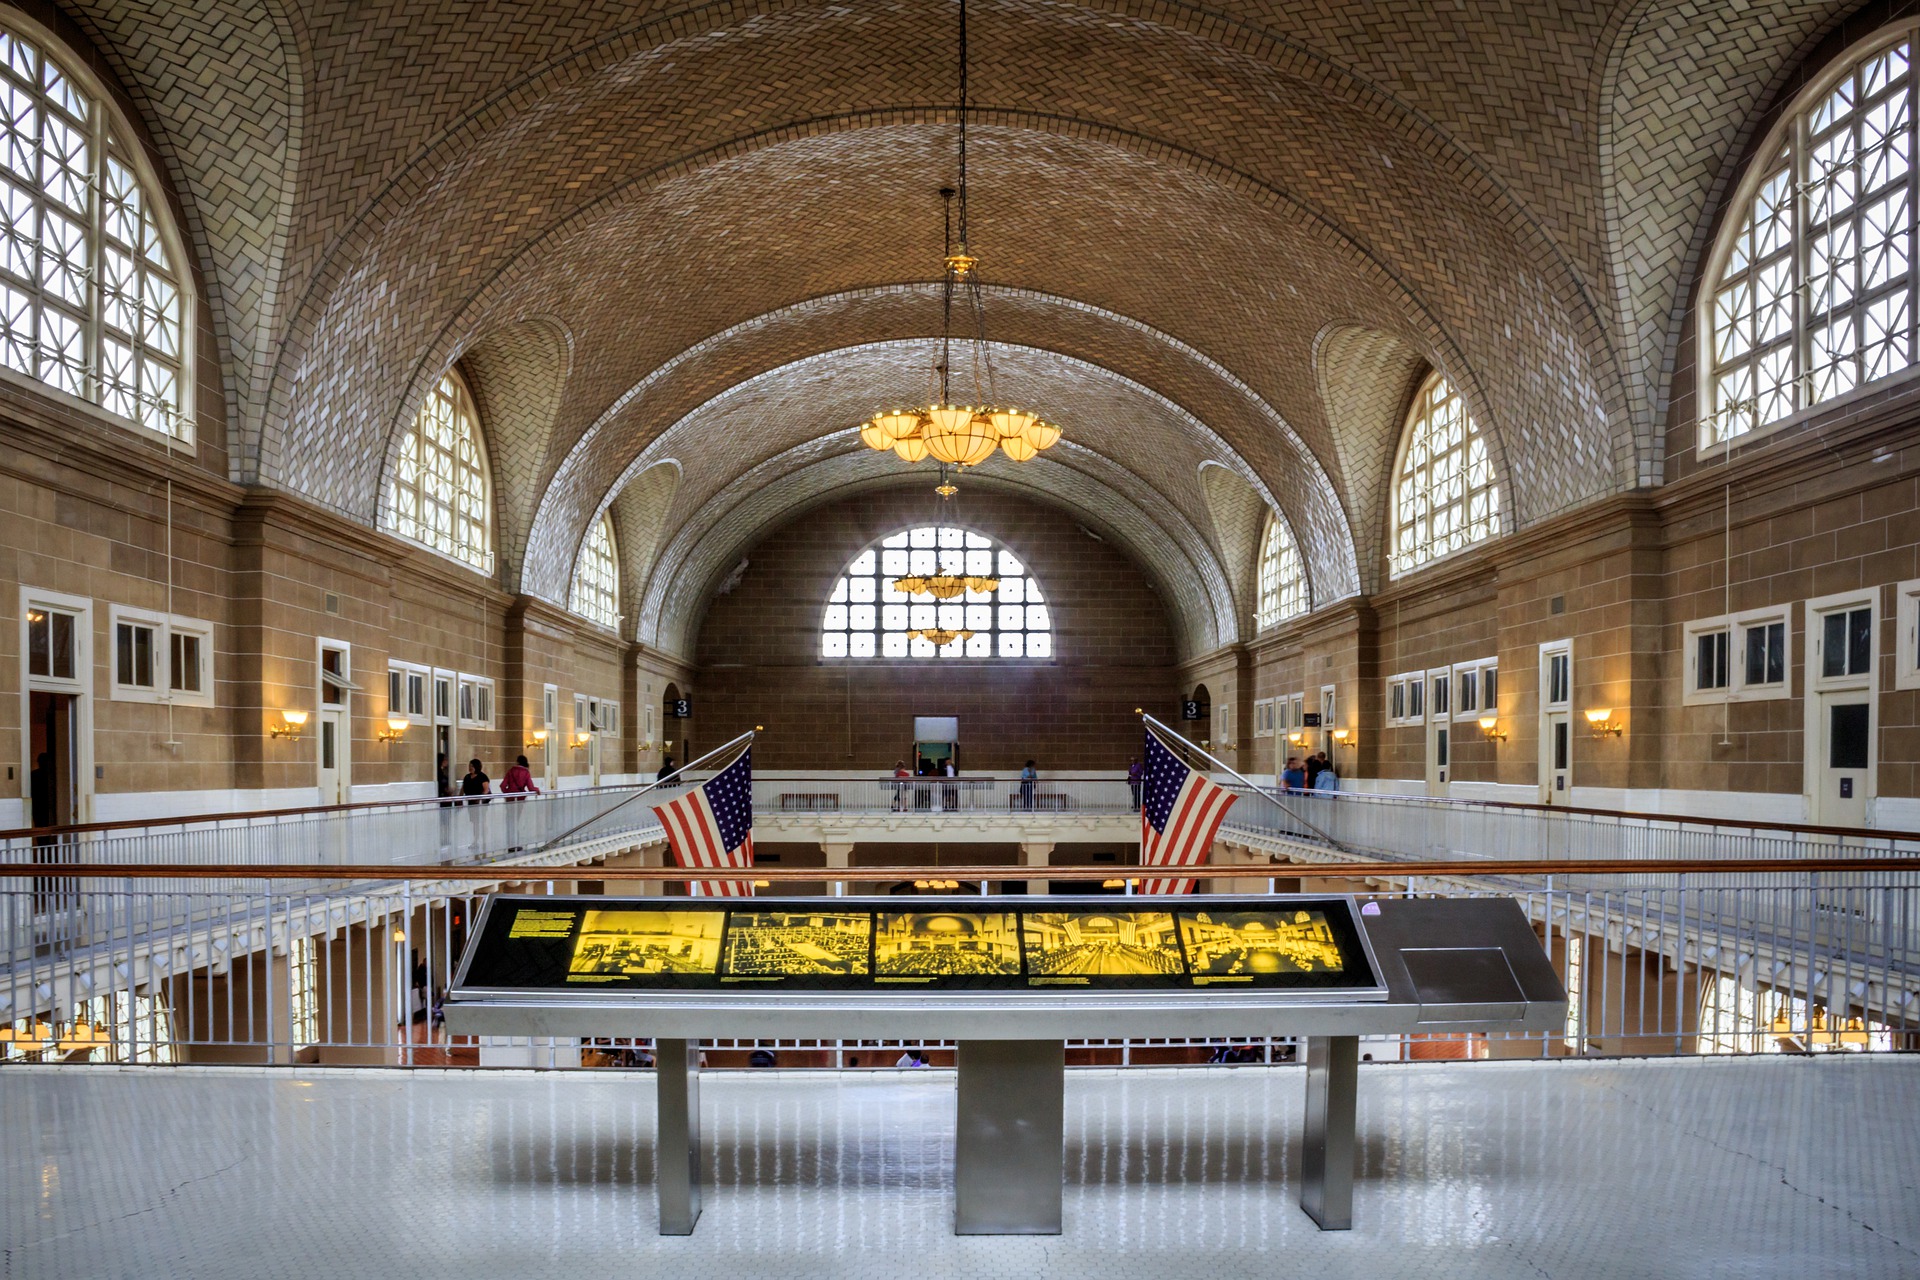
(666, 771)
(476, 787)
(1028, 776)
(443, 789)
(1294, 776)
(516, 786)
(1136, 774)
(950, 791)
(1326, 779)
(900, 788)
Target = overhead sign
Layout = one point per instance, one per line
(1191, 710)
(1310, 719)
(680, 709)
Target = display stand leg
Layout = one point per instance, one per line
(1008, 1151)
(676, 1163)
(1327, 1154)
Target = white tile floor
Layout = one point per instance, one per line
(1690, 1168)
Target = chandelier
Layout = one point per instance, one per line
(945, 586)
(939, 637)
(960, 435)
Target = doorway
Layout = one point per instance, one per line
(1556, 722)
(333, 756)
(1842, 761)
(1439, 730)
(53, 780)
(550, 737)
(1842, 709)
(445, 762)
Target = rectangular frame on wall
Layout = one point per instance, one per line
(165, 627)
(80, 686)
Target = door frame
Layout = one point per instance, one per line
(81, 689)
(1818, 690)
(1438, 726)
(550, 744)
(448, 720)
(343, 761)
(1552, 713)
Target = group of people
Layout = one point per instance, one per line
(1315, 773)
(476, 788)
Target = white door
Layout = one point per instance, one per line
(593, 760)
(446, 745)
(1556, 722)
(1439, 730)
(1843, 758)
(333, 756)
(550, 744)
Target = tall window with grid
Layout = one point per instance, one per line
(1283, 580)
(91, 293)
(869, 617)
(1445, 496)
(440, 494)
(1813, 281)
(596, 578)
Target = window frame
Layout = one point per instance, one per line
(1788, 141)
(1476, 669)
(1285, 596)
(920, 651)
(111, 135)
(484, 704)
(1906, 649)
(589, 556)
(1418, 419)
(463, 406)
(1817, 610)
(408, 672)
(164, 627)
(1414, 684)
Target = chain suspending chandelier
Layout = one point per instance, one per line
(960, 435)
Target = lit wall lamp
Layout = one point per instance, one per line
(1344, 737)
(291, 723)
(396, 729)
(1490, 729)
(538, 740)
(1297, 738)
(1600, 720)
(580, 741)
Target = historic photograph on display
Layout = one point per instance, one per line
(641, 942)
(1107, 944)
(946, 944)
(1254, 944)
(797, 944)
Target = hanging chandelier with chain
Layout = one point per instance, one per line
(956, 435)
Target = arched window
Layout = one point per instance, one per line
(1444, 495)
(869, 616)
(596, 578)
(440, 494)
(91, 289)
(1811, 290)
(1283, 582)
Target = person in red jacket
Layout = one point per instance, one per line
(515, 787)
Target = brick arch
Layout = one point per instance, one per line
(639, 512)
(1367, 380)
(1114, 424)
(1177, 560)
(1498, 262)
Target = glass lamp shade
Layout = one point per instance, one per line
(897, 425)
(1012, 422)
(874, 436)
(1017, 448)
(911, 448)
(960, 437)
(1041, 435)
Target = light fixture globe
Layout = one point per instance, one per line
(1017, 448)
(874, 436)
(911, 448)
(1012, 422)
(899, 424)
(959, 437)
(1041, 434)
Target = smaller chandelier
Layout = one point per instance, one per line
(939, 637)
(945, 586)
(959, 436)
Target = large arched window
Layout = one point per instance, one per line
(440, 494)
(91, 289)
(869, 616)
(596, 578)
(1283, 581)
(1811, 291)
(1444, 494)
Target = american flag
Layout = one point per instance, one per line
(712, 826)
(1179, 813)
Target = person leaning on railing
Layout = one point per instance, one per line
(516, 786)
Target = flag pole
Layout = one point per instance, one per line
(676, 776)
(1244, 781)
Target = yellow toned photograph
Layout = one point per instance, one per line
(797, 944)
(939, 943)
(1100, 943)
(1234, 943)
(640, 942)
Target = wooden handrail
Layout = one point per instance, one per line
(996, 873)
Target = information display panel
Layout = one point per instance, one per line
(1133, 943)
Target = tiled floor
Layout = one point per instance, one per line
(1666, 1168)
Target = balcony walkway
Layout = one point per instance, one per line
(1699, 1168)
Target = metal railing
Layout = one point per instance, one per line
(935, 796)
(279, 969)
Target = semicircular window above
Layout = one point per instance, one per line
(91, 290)
(596, 577)
(440, 493)
(1811, 289)
(1445, 497)
(937, 591)
(1283, 579)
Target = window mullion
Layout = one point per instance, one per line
(93, 341)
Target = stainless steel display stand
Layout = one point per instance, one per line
(1446, 966)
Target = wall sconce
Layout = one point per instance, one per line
(581, 741)
(396, 729)
(1343, 737)
(1297, 738)
(1490, 729)
(538, 740)
(291, 723)
(1600, 720)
